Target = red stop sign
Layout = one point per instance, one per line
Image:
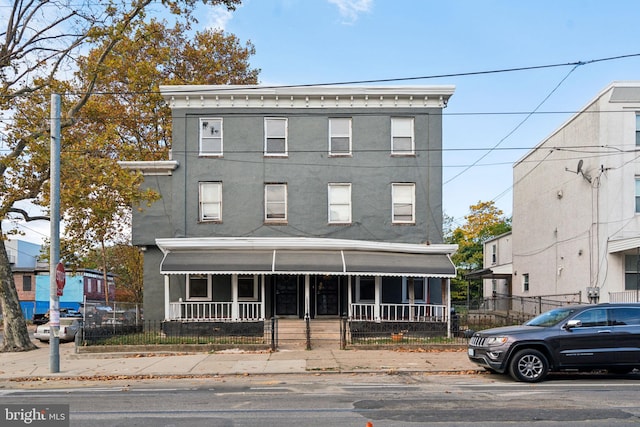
(60, 278)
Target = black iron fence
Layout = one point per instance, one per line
(274, 334)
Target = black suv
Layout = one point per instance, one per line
(584, 338)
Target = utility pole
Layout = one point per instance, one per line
(54, 253)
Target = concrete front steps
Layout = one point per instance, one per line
(292, 333)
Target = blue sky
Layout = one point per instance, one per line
(327, 41)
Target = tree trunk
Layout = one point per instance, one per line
(15, 335)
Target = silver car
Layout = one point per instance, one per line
(69, 327)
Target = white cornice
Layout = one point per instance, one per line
(229, 96)
(158, 167)
(309, 243)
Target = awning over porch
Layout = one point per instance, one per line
(307, 261)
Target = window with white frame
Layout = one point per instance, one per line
(525, 282)
(198, 287)
(275, 202)
(247, 287)
(339, 196)
(403, 196)
(210, 136)
(275, 131)
(366, 289)
(419, 289)
(402, 140)
(494, 254)
(210, 198)
(638, 129)
(339, 136)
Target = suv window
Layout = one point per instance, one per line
(591, 318)
(550, 318)
(625, 316)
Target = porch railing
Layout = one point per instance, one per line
(206, 311)
(399, 312)
(624, 296)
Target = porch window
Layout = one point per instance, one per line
(403, 196)
(340, 137)
(275, 142)
(631, 272)
(366, 289)
(637, 194)
(210, 194)
(339, 203)
(275, 202)
(210, 136)
(198, 287)
(247, 288)
(419, 289)
(402, 142)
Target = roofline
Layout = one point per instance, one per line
(608, 88)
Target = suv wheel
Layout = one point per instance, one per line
(529, 366)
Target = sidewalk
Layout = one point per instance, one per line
(36, 364)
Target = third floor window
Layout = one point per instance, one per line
(275, 131)
(210, 136)
(340, 137)
(402, 140)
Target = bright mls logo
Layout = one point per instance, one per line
(34, 415)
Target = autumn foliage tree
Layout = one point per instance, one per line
(40, 47)
(484, 221)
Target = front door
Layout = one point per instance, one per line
(286, 290)
(327, 295)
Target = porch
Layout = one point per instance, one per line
(254, 311)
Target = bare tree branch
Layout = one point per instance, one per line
(28, 217)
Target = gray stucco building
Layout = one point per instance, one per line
(296, 201)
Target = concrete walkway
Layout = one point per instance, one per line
(36, 364)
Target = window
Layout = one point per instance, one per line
(624, 316)
(403, 199)
(637, 195)
(210, 201)
(247, 288)
(494, 254)
(198, 287)
(631, 272)
(339, 203)
(26, 283)
(591, 318)
(275, 202)
(525, 282)
(402, 142)
(419, 289)
(210, 137)
(637, 129)
(340, 137)
(275, 130)
(366, 289)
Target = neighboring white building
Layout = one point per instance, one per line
(576, 204)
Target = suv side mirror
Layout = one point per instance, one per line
(572, 324)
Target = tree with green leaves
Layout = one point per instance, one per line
(484, 221)
(39, 54)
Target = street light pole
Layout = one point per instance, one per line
(54, 251)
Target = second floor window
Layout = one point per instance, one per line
(275, 202)
(210, 137)
(638, 129)
(210, 194)
(340, 137)
(402, 141)
(339, 203)
(275, 131)
(403, 196)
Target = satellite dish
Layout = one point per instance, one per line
(579, 169)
